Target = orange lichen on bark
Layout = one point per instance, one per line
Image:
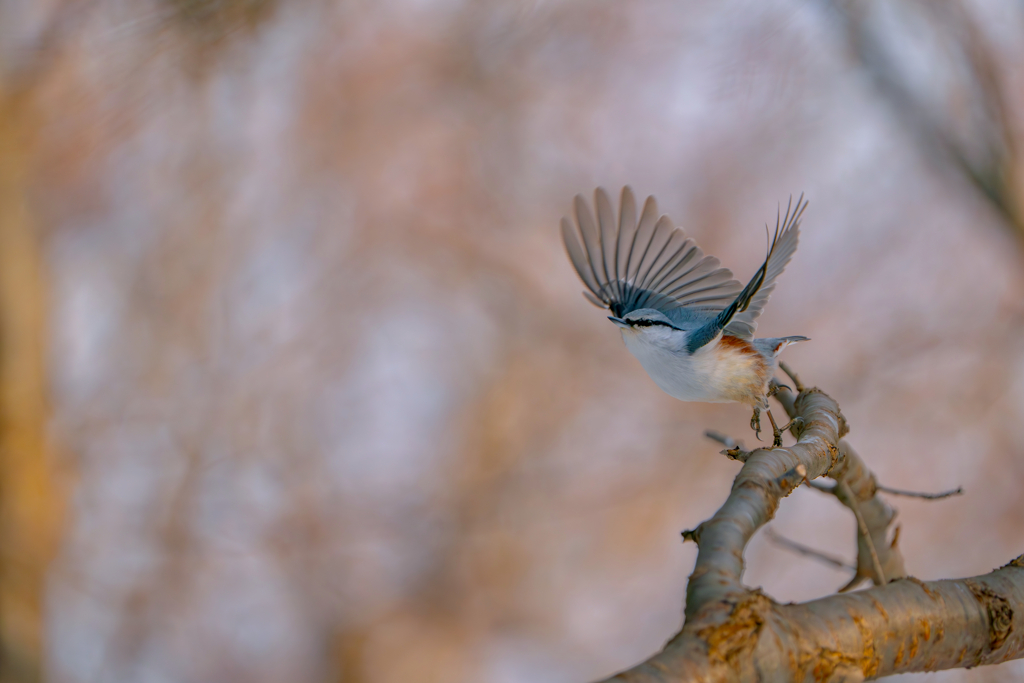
(929, 592)
(881, 610)
(869, 659)
(738, 635)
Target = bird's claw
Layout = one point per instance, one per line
(776, 387)
(796, 423)
(755, 423)
(776, 432)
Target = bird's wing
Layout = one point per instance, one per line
(628, 264)
(744, 323)
(739, 318)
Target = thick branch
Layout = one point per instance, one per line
(754, 498)
(905, 625)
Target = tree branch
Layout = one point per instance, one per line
(917, 494)
(732, 633)
(877, 557)
(846, 495)
(754, 498)
(806, 551)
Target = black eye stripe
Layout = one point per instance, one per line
(648, 323)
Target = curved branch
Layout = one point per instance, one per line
(732, 633)
(878, 559)
(755, 496)
(905, 626)
(856, 489)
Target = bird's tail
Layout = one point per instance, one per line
(772, 347)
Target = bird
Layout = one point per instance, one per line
(681, 314)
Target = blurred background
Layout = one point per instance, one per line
(297, 383)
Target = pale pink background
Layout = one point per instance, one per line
(336, 407)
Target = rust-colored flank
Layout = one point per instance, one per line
(735, 344)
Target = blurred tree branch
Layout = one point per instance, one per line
(734, 633)
(968, 122)
(30, 503)
(31, 491)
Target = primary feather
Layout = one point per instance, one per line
(629, 264)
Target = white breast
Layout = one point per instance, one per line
(713, 374)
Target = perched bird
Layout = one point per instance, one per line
(684, 317)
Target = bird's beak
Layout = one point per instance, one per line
(619, 322)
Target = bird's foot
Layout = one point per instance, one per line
(796, 423)
(777, 433)
(775, 387)
(755, 423)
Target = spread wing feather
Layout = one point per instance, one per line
(628, 264)
(783, 246)
(738, 318)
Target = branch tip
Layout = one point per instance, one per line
(736, 454)
(916, 494)
(793, 377)
(691, 535)
(733, 447)
(792, 479)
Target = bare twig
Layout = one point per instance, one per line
(726, 441)
(987, 154)
(733, 448)
(793, 377)
(806, 551)
(914, 494)
(824, 488)
(843, 490)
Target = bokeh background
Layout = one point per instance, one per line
(296, 381)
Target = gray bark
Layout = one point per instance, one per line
(736, 634)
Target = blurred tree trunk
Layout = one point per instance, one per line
(30, 507)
